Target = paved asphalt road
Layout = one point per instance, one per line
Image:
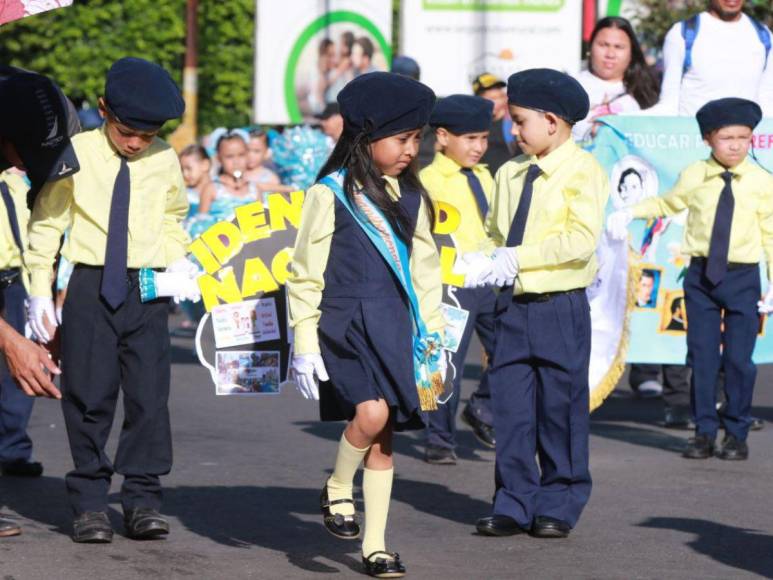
(243, 501)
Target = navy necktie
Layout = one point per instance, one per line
(114, 287)
(477, 191)
(719, 245)
(515, 237)
(10, 208)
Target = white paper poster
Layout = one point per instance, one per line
(455, 40)
(307, 50)
(245, 322)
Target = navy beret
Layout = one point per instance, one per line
(380, 104)
(141, 94)
(462, 114)
(724, 112)
(406, 66)
(548, 90)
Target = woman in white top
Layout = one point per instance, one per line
(618, 79)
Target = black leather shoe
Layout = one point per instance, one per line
(677, 418)
(342, 527)
(699, 447)
(383, 565)
(92, 528)
(439, 455)
(483, 433)
(732, 449)
(145, 524)
(9, 528)
(22, 468)
(545, 527)
(498, 525)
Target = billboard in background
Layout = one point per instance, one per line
(456, 40)
(307, 50)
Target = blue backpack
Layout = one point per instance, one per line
(690, 32)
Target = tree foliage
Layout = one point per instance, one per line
(77, 45)
(226, 63)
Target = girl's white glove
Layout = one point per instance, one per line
(305, 367)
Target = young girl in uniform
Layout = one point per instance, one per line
(230, 188)
(365, 295)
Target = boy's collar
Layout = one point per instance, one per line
(715, 168)
(553, 160)
(448, 166)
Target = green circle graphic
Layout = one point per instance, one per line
(293, 110)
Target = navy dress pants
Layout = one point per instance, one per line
(480, 302)
(105, 351)
(15, 406)
(540, 397)
(709, 349)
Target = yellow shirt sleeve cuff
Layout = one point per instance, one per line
(40, 283)
(306, 341)
(528, 257)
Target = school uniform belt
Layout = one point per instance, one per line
(8, 277)
(701, 261)
(528, 297)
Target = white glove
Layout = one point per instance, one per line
(184, 291)
(183, 266)
(617, 224)
(765, 306)
(304, 367)
(40, 307)
(504, 266)
(476, 269)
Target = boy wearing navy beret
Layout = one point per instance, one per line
(547, 213)
(457, 178)
(729, 227)
(124, 210)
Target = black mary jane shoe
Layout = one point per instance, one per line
(342, 527)
(388, 566)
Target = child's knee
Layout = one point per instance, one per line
(371, 417)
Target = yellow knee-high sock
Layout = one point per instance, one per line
(377, 491)
(340, 484)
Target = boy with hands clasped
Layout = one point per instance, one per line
(547, 213)
(729, 227)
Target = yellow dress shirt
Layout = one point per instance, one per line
(10, 256)
(698, 190)
(564, 222)
(158, 204)
(445, 183)
(312, 250)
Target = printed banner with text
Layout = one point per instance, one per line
(644, 156)
(456, 40)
